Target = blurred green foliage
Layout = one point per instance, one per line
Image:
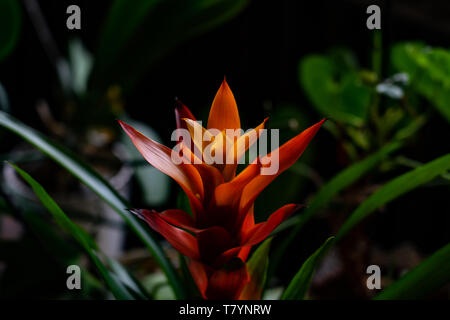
(298, 287)
(371, 118)
(429, 71)
(257, 267)
(335, 87)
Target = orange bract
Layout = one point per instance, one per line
(224, 112)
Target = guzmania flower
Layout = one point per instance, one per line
(221, 231)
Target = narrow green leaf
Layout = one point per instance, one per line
(428, 68)
(116, 287)
(298, 287)
(395, 188)
(257, 269)
(130, 283)
(63, 251)
(98, 185)
(188, 280)
(427, 277)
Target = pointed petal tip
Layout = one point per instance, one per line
(321, 122)
(224, 86)
(129, 130)
(140, 212)
(189, 121)
(179, 105)
(181, 111)
(224, 113)
(181, 240)
(294, 207)
(124, 126)
(314, 128)
(299, 206)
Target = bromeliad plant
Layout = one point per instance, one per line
(221, 231)
(219, 235)
(225, 278)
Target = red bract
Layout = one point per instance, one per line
(218, 237)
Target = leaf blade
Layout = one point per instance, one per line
(345, 100)
(257, 268)
(299, 285)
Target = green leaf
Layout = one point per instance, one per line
(257, 269)
(137, 33)
(98, 185)
(63, 251)
(339, 182)
(428, 276)
(10, 22)
(395, 188)
(156, 283)
(183, 203)
(129, 282)
(335, 92)
(117, 288)
(298, 287)
(188, 280)
(429, 71)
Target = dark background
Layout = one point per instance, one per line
(258, 52)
